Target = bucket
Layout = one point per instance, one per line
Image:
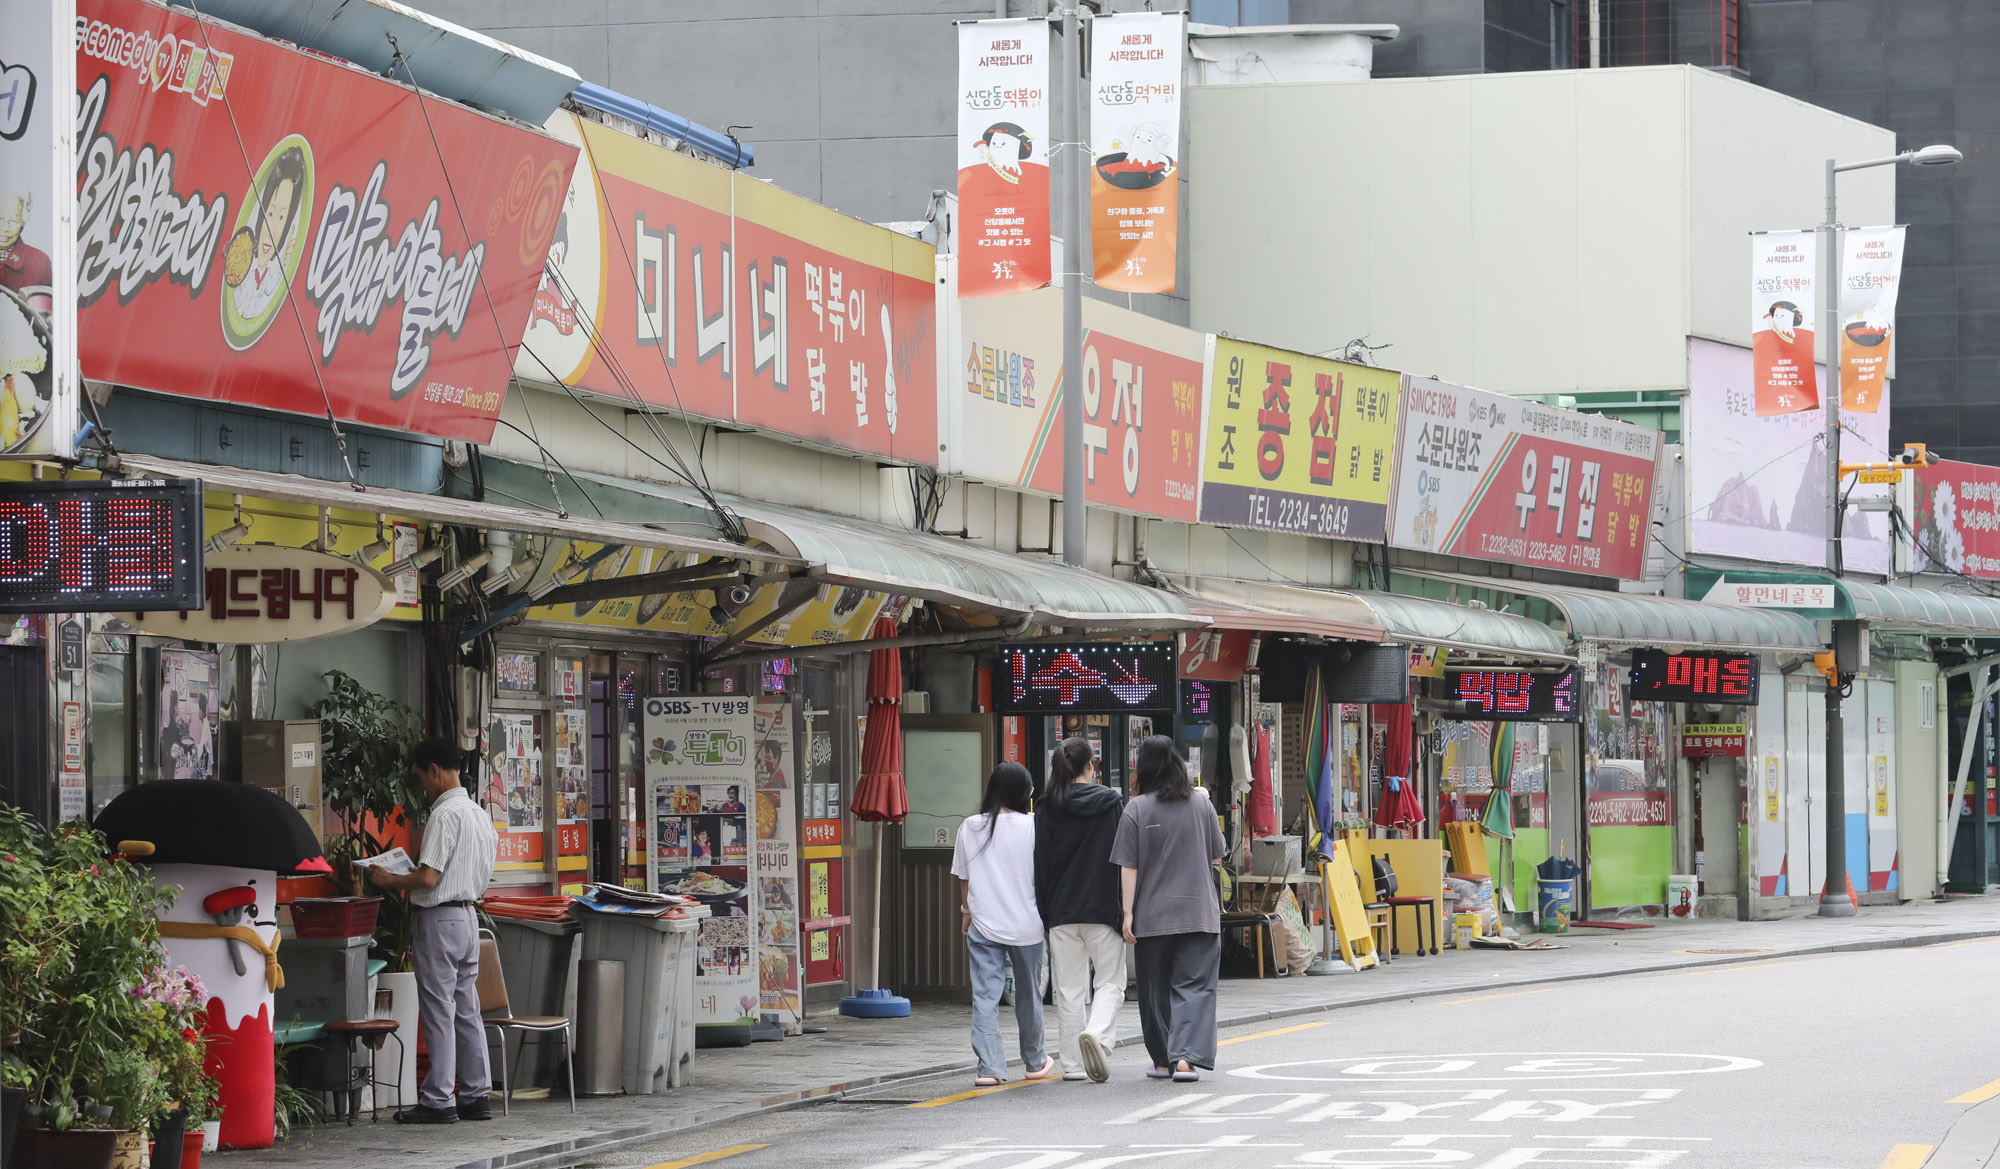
(1554, 902)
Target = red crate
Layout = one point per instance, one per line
(335, 917)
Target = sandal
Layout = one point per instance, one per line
(1047, 1071)
(1159, 1073)
(987, 1081)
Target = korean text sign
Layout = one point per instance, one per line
(1003, 156)
(1135, 122)
(1783, 275)
(1298, 444)
(260, 225)
(1870, 274)
(1142, 403)
(1497, 478)
(679, 285)
(1957, 521)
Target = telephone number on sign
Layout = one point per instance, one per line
(1285, 512)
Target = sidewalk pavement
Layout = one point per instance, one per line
(857, 1056)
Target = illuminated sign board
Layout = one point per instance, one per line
(1515, 695)
(1658, 676)
(1197, 701)
(1053, 679)
(104, 546)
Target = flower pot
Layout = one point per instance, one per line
(78, 1148)
(11, 1100)
(129, 1150)
(168, 1139)
(211, 1135)
(191, 1143)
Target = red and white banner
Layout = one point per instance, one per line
(1003, 160)
(1497, 478)
(261, 225)
(1784, 269)
(1957, 520)
(1870, 273)
(1135, 148)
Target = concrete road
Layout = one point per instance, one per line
(1849, 1060)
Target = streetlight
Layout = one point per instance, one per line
(1833, 900)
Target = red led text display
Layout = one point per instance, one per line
(100, 547)
(1658, 676)
(1515, 695)
(1087, 677)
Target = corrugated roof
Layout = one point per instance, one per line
(1613, 618)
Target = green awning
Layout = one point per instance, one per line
(1425, 621)
(1613, 618)
(883, 558)
(1894, 607)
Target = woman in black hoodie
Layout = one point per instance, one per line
(1076, 886)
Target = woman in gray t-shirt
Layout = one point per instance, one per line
(1168, 841)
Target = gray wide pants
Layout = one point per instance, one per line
(447, 953)
(1177, 974)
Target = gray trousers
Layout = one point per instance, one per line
(447, 953)
(989, 979)
(1177, 975)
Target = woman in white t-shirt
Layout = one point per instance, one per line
(994, 860)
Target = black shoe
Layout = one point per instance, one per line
(475, 1108)
(425, 1114)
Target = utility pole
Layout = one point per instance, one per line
(1076, 196)
(1833, 899)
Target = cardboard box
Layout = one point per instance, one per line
(1274, 856)
(284, 756)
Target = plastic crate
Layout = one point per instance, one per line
(335, 917)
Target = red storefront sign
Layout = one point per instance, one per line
(1714, 741)
(265, 226)
(1957, 520)
(1215, 655)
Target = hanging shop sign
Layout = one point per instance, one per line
(100, 546)
(260, 593)
(1956, 522)
(1659, 676)
(1003, 156)
(674, 284)
(1870, 274)
(1516, 695)
(38, 374)
(700, 767)
(1141, 403)
(1052, 680)
(266, 226)
(1298, 444)
(1757, 482)
(1784, 269)
(1136, 63)
(1714, 741)
(1215, 655)
(1771, 595)
(1497, 478)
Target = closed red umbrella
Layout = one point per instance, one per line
(1397, 806)
(881, 796)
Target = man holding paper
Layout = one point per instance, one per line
(453, 868)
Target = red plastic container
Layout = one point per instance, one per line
(335, 917)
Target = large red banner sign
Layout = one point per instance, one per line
(265, 226)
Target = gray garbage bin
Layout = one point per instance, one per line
(658, 954)
(600, 1027)
(539, 959)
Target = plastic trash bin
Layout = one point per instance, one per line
(658, 954)
(539, 958)
(1555, 901)
(600, 1027)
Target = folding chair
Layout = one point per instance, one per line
(499, 1017)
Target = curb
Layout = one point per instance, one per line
(571, 1152)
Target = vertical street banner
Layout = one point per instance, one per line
(1298, 444)
(1493, 477)
(1871, 271)
(1783, 272)
(1003, 159)
(700, 781)
(780, 982)
(38, 374)
(1135, 148)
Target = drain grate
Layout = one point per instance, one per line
(1727, 950)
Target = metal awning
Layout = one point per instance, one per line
(883, 558)
(1426, 621)
(443, 509)
(1612, 618)
(1277, 608)
(1895, 607)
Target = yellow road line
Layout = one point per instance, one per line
(1279, 1031)
(1979, 1095)
(1734, 969)
(1487, 997)
(712, 1155)
(975, 1093)
(1906, 1157)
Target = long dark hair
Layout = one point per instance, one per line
(1009, 787)
(1070, 759)
(1161, 771)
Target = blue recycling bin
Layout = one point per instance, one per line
(1555, 902)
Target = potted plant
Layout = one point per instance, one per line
(177, 1048)
(366, 780)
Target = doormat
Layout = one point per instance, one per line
(1611, 925)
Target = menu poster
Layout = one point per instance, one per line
(779, 986)
(699, 769)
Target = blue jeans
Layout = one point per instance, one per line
(989, 978)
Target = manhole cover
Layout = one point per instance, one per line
(1726, 950)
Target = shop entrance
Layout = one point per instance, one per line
(24, 713)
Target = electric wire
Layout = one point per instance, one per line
(551, 456)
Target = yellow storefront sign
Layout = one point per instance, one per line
(836, 613)
(1297, 443)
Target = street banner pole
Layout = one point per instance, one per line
(1833, 900)
(1076, 201)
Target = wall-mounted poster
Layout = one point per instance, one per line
(700, 767)
(779, 984)
(190, 711)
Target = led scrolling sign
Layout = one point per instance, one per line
(1054, 680)
(1659, 676)
(1515, 695)
(103, 546)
